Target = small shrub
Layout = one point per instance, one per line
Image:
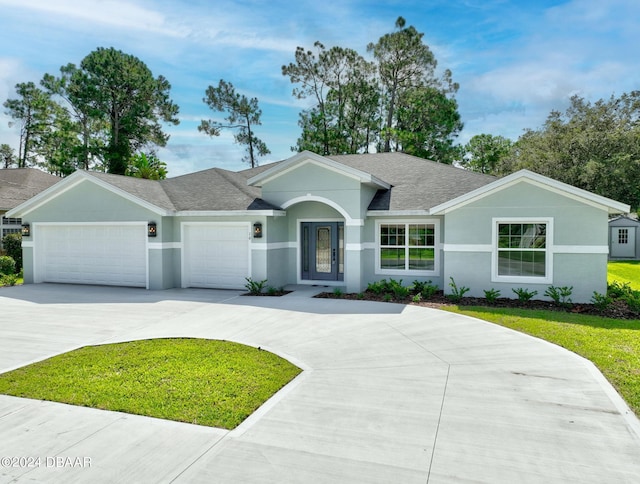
(360, 295)
(416, 298)
(378, 287)
(12, 244)
(273, 291)
(619, 290)
(560, 295)
(491, 295)
(601, 301)
(456, 292)
(425, 289)
(399, 291)
(524, 295)
(7, 265)
(387, 297)
(9, 279)
(337, 292)
(255, 287)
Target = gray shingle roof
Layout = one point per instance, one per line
(20, 184)
(416, 184)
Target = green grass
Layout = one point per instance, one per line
(205, 382)
(625, 271)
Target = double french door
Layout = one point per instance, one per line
(322, 251)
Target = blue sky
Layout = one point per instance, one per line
(515, 61)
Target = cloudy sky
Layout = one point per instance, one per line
(515, 60)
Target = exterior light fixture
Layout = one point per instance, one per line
(26, 230)
(152, 229)
(257, 230)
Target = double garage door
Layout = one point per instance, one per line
(114, 255)
(214, 255)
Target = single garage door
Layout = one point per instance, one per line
(114, 255)
(216, 255)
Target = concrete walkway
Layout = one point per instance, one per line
(389, 394)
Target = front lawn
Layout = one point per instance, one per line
(613, 345)
(204, 382)
(625, 271)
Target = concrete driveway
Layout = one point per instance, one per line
(389, 394)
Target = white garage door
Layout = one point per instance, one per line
(216, 255)
(113, 255)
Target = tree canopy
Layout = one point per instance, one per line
(594, 146)
(242, 114)
(395, 103)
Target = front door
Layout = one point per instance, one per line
(322, 251)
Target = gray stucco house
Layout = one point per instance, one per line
(332, 220)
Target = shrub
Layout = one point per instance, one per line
(491, 295)
(416, 298)
(378, 287)
(560, 295)
(399, 291)
(456, 292)
(255, 287)
(9, 279)
(7, 265)
(337, 292)
(425, 289)
(12, 244)
(619, 290)
(601, 301)
(524, 295)
(386, 297)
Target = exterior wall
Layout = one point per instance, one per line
(577, 242)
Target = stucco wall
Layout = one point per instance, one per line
(578, 246)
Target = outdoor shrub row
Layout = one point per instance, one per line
(617, 292)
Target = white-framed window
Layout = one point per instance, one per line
(407, 247)
(623, 236)
(522, 250)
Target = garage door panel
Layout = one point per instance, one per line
(216, 255)
(92, 254)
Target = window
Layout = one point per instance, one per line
(623, 236)
(407, 247)
(522, 250)
(11, 221)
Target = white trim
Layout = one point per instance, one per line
(580, 249)
(27, 243)
(467, 247)
(360, 247)
(549, 250)
(274, 246)
(164, 245)
(307, 157)
(406, 272)
(348, 221)
(535, 179)
(230, 213)
(398, 213)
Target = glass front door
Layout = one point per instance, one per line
(322, 251)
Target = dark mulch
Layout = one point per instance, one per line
(279, 292)
(618, 309)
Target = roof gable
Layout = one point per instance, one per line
(136, 190)
(307, 157)
(541, 181)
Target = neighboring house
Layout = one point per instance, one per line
(624, 238)
(331, 220)
(16, 186)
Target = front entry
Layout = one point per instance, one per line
(322, 251)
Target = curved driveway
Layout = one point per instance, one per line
(390, 394)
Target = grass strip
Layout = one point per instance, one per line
(205, 382)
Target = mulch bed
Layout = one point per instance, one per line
(618, 309)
